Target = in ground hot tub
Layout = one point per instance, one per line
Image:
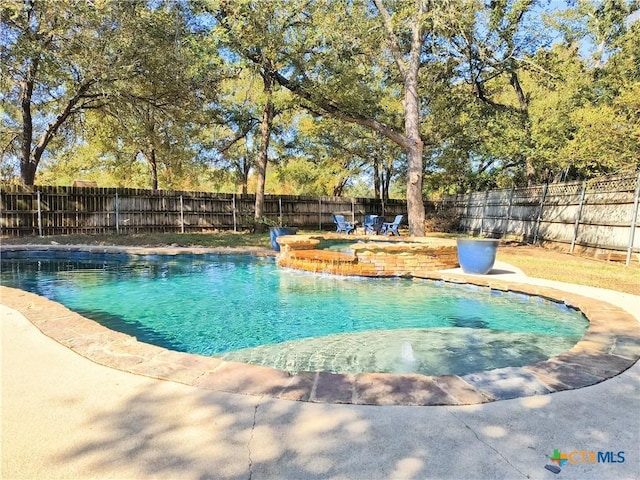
(366, 256)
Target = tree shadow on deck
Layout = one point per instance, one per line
(168, 430)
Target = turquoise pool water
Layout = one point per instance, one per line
(247, 309)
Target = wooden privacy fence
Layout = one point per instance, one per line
(50, 210)
(600, 214)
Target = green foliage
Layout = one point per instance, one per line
(574, 117)
(133, 93)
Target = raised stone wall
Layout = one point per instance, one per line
(369, 256)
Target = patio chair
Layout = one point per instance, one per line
(373, 224)
(342, 225)
(392, 227)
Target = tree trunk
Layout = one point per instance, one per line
(386, 180)
(246, 166)
(411, 142)
(29, 161)
(154, 169)
(376, 178)
(27, 169)
(265, 136)
(523, 101)
(415, 147)
(523, 108)
(28, 173)
(150, 155)
(415, 205)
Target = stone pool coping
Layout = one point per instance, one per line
(610, 345)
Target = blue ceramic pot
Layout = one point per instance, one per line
(477, 255)
(276, 232)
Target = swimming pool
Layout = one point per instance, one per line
(247, 309)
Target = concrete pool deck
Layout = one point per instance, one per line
(64, 416)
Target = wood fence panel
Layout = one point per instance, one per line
(601, 214)
(51, 210)
(19, 211)
(598, 214)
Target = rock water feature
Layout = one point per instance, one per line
(366, 255)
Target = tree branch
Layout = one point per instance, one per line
(239, 136)
(53, 127)
(394, 45)
(337, 112)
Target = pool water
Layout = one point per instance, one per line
(247, 309)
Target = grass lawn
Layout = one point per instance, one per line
(534, 261)
(564, 267)
(219, 239)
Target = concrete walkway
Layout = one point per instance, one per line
(64, 416)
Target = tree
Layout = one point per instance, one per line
(408, 59)
(491, 46)
(541, 111)
(58, 65)
(337, 154)
(573, 129)
(251, 30)
(451, 96)
(127, 65)
(606, 134)
(158, 113)
(313, 61)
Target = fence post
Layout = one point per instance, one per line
(280, 210)
(537, 227)
(233, 209)
(506, 228)
(181, 215)
(320, 214)
(484, 206)
(117, 207)
(634, 221)
(39, 215)
(576, 225)
(467, 214)
(353, 210)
